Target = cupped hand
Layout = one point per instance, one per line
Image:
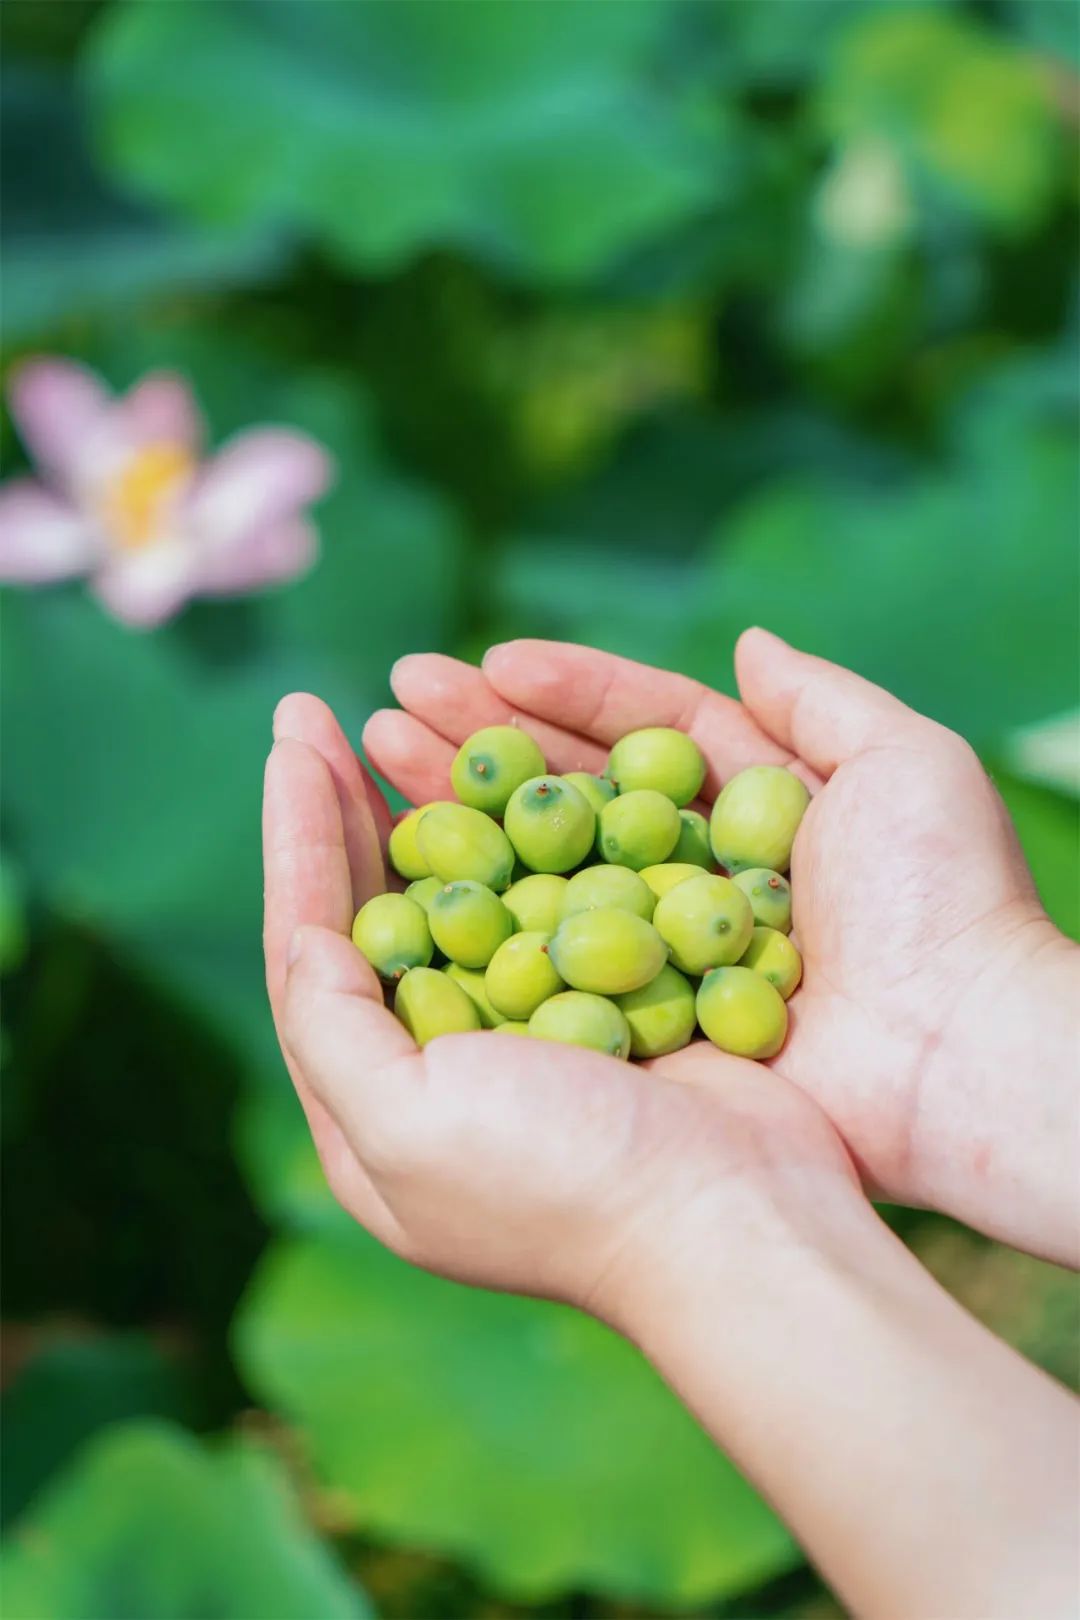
(914, 910)
(512, 1164)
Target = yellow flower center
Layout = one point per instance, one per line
(137, 499)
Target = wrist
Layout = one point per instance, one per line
(996, 1147)
(856, 1395)
(759, 1247)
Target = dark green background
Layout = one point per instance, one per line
(632, 322)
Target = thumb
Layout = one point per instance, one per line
(823, 713)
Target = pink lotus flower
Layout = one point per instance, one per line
(126, 500)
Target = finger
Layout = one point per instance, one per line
(307, 881)
(822, 712)
(306, 864)
(311, 720)
(456, 699)
(365, 816)
(412, 757)
(604, 697)
(361, 1063)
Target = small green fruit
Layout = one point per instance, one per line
(550, 824)
(471, 981)
(513, 1026)
(607, 952)
(769, 895)
(756, 817)
(536, 902)
(429, 1003)
(661, 1015)
(491, 764)
(639, 829)
(521, 975)
(596, 789)
(772, 954)
(582, 1020)
(665, 876)
(742, 1013)
(706, 921)
(463, 844)
(468, 923)
(598, 886)
(423, 891)
(658, 758)
(392, 932)
(406, 856)
(693, 847)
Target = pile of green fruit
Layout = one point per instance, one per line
(590, 909)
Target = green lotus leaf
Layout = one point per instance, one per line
(148, 1524)
(520, 1436)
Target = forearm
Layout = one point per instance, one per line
(997, 1136)
(926, 1469)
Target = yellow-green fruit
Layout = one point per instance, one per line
(665, 876)
(741, 1012)
(491, 764)
(659, 758)
(423, 891)
(551, 824)
(772, 954)
(638, 829)
(661, 1015)
(536, 902)
(471, 981)
(693, 847)
(513, 1026)
(406, 856)
(607, 952)
(582, 1020)
(429, 1003)
(769, 895)
(521, 975)
(468, 923)
(756, 817)
(596, 789)
(597, 886)
(459, 843)
(706, 921)
(392, 932)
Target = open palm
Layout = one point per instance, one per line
(910, 893)
(514, 1164)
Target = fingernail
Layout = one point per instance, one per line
(296, 946)
(497, 647)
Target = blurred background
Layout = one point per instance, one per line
(632, 323)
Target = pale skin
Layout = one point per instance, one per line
(712, 1209)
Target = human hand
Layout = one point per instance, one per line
(508, 1163)
(933, 1020)
(702, 1204)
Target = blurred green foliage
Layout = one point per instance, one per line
(448, 1417)
(630, 322)
(148, 1523)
